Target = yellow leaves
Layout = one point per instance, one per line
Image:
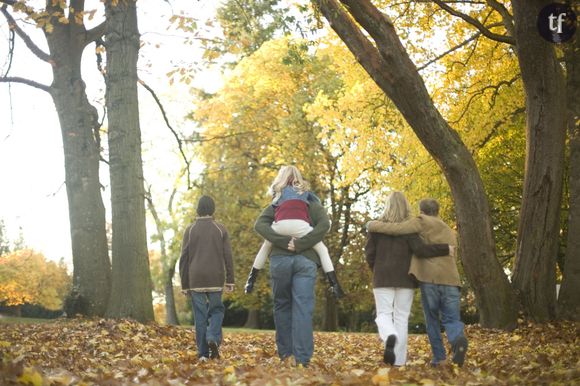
(27, 277)
(357, 372)
(90, 14)
(30, 377)
(427, 382)
(81, 352)
(48, 27)
(382, 377)
(515, 338)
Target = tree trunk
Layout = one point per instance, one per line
(568, 300)
(167, 264)
(390, 67)
(539, 227)
(79, 127)
(253, 319)
(330, 313)
(131, 284)
(170, 310)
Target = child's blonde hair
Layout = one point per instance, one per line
(397, 208)
(288, 175)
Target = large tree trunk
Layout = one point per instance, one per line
(253, 319)
(170, 310)
(167, 264)
(79, 126)
(538, 231)
(131, 285)
(391, 68)
(330, 321)
(568, 300)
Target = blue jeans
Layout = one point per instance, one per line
(293, 280)
(207, 307)
(441, 306)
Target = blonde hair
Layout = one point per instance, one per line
(397, 208)
(288, 175)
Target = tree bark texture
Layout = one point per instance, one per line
(131, 281)
(167, 264)
(79, 127)
(569, 299)
(330, 321)
(538, 232)
(390, 67)
(253, 319)
(170, 309)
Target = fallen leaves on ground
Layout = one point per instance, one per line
(108, 352)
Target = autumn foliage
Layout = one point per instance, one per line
(27, 277)
(124, 352)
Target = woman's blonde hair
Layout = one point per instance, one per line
(288, 175)
(397, 208)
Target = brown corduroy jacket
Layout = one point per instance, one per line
(389, 257)
(206, 256)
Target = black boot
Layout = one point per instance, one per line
(389, 353)
(334, 286)
(459, 350)
(251, 280)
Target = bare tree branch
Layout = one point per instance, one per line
(507, 18)
(27, 40)
(493, 130)
(217, 137)
(179, 140)
(452, 49)
(17, 79)
(482, 91)
(11, 38)
(363, 49)
(476, 23)
(95, 33)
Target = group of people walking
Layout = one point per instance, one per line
(403, 252)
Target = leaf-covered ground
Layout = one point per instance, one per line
(107, 352)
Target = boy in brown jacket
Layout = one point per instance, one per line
(205, 267)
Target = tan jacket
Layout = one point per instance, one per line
(435, 270)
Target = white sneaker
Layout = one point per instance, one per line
(203, 359)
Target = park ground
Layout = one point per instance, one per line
(107, 352)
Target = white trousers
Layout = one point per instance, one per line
(294, 228)
(393, 309)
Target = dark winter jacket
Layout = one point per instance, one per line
(389, 257)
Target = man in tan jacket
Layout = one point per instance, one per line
(438, 280)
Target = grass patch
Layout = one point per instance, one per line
(236, 330)
(19, 320)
